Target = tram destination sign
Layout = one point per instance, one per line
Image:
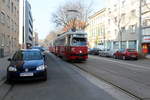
(80, 35)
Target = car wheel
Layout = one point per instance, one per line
(45, 77)
(114, 56)
(136, 59)
(124, 57)
(9, 81)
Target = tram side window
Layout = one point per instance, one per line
(62, 42)
(68, 40)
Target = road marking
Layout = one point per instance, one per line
(137, 66)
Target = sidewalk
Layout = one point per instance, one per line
(3, 67)
(148, 56)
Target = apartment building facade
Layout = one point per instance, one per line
(146, 27)
(35, 39)
(9, 26)
(26, 25)
(124, 17)
(121, 25)
(96, 29)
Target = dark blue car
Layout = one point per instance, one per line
(27, 65)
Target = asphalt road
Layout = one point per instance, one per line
(64, 83)
(131, 76)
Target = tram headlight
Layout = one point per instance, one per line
(80, 51)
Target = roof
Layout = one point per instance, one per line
(97, 13)
(70, 33)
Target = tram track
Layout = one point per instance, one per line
(108, 82)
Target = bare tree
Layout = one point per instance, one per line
(146, 4)
(73, 14)
(120, 20)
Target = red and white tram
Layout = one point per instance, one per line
(71, 46)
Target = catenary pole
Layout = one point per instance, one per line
(140, 28)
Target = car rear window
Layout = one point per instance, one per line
(131, 50)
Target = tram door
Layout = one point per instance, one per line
(148, 47)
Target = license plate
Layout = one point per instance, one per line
(133, 56)
(26, 74)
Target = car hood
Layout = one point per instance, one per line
(28, 64)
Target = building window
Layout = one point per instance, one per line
(116, 45)
(0, 39)
(146, 22)
(115, 19)
(123, 44)
(8, 3)
(132, 44)
(8, 24)
(12, 7)
(2, 18)
(3, 40)
(30, 38)
(12, 26)
(4, 1)
(132, 28)
(7, 41)
(123, 17)
(116, 32)
(15, 10)
(133, 12)
(123, 3)
(123, 29)
(108, 21)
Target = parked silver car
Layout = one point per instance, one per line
(111, 52)
(103, 53)
(107, 52)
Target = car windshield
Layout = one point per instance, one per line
(79, 41)
(27, 55)
(131, 50)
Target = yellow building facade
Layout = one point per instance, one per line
(96, 29)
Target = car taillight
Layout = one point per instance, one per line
(127, 53)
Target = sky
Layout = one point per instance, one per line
(42, 11)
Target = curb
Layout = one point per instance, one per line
(108, 82)
(2, 81)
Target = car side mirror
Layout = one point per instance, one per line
(43, 55)
(9, 59)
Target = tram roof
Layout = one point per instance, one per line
(71, 33)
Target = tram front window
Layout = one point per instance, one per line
(79, 41)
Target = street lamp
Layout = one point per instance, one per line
(74, 19)
(140, 28)
(73, 11)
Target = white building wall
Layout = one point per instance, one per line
(122, 13)
(24, 18)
